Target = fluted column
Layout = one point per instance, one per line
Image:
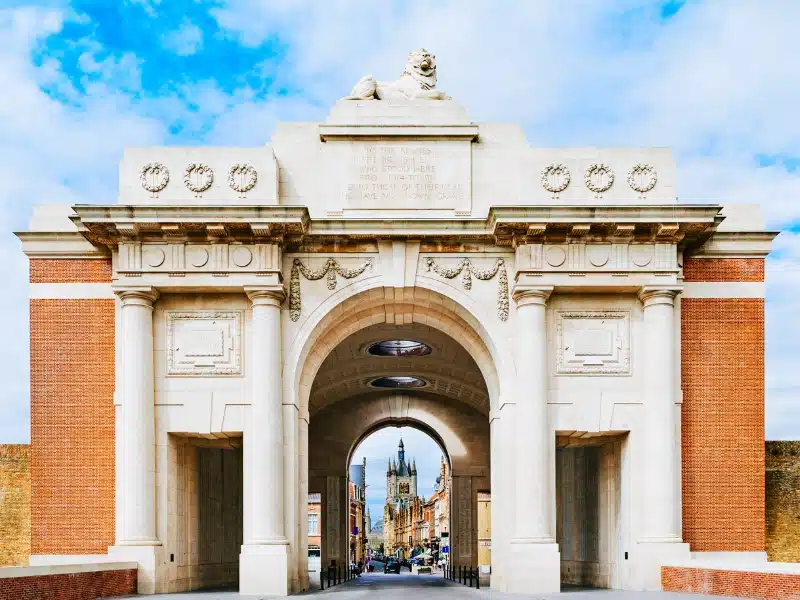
(136, 397)
(661, 500)
(533, 440)
(265, 431)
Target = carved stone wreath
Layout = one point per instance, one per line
(242, 177)
(642, 178)
(598, 169)
(466, 269)
(555, 177)
(329, 270)
(154, 177)
(198, 177)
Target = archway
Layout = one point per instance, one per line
(449, 391)
(399, 482)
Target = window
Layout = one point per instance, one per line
(399, 348)
(394, 381)
(313, 524)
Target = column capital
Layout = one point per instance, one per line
(531, 294)
(270, 295)
(139, 295)
(650, 295)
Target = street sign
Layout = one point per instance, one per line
(446, 550)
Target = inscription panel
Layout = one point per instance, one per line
(204, 342)
(406, 174)
(593, 342)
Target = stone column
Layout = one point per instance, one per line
(535, 562)
(659, 443)
(136, 537)
(264, 558)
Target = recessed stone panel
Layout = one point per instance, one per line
(204, 343)
(593, 342)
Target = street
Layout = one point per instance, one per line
(408, 586)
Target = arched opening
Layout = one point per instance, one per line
(432, 342)
(399, 493)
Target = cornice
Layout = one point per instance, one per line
(735, 244)
(61, 244)
(687, 225)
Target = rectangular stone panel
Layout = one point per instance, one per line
(400, 174)
(591, 342)
(204, 343)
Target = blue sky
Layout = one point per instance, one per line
(716, 80)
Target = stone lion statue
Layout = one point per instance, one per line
(417, 82)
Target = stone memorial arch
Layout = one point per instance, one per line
(200, 364)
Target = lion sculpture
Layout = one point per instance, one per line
(417, 82)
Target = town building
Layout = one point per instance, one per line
(412, 524)
(577, 339)
(357, 521)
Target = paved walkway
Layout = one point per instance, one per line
(377, 586)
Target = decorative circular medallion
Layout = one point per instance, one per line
(642, 178)
(555, 256)
(242, 256)
(555, 178)
(198, 256)
(641, 255)
(154, 177)
(198, 177)
(598, 254)
(242, 177)
(598, 177)
(154, 256)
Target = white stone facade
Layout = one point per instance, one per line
(245, 300)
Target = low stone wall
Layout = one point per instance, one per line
(68, 582)
(783, 501)
(772, 583)
(15, 504)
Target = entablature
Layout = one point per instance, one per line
(687, 225)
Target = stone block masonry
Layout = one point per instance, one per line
(72, 414)
(15, 504)
(722, 433)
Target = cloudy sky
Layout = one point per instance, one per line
(380, 446)
(718, 81)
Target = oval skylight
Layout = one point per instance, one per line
(398, 381)
(399, 348)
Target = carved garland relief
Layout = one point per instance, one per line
(598, 177)
(642, 178)
(329, 270)
(466, 269)
(198, 178)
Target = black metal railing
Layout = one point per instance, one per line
(334, 575)
(469, 576)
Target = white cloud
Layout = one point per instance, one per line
(717, 82)
(186, 40)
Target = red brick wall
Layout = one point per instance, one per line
(70, 271)
(742, 584)
(72, 586)
(722, 433)
(723, 269)
(72, 418)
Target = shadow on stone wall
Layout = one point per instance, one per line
(783, 501)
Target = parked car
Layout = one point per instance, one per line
(392, 567)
